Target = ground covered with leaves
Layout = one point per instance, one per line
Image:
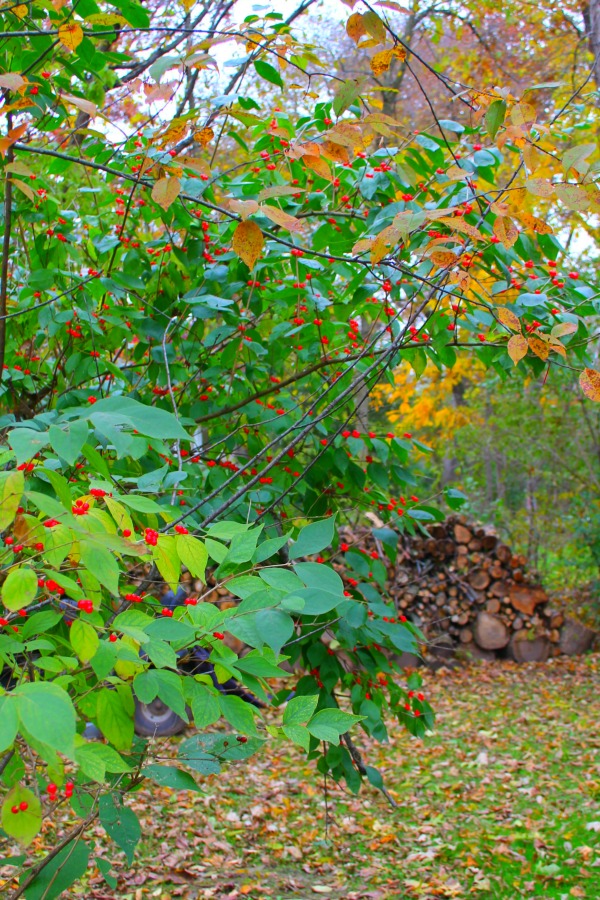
(502, 801)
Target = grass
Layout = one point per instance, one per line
(501, 802)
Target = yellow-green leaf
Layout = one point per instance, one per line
(19, 588)
(166, 559)
(193, 554)
(84, 640)
(517, 347)
(508, 318)
(12, 485)
(166, 191)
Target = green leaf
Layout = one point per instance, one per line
(166, 559)
(329, 724)
(68, 440)
(46, 712)
(115, 713)
(20, 588)
(275, 627)
(167, 629)
(65, 869)
(346, 94)
(169, 776)
(205, 706)
(84, 639)
(193, 554)
(98, 759)
(9, 722)
(165, 685)
(23, 825)
(101, 563)
(239, 714)
(26, 443)
(121, 824)
(266, 71)
(298, 734)
(12, 485)
(161, 654)
(494, 117)
(299, 709)
(313, 538)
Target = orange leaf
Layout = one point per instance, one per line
(12, 137)
(508, 318)
(335, 152)
(589, 381)
(70, 35)
(517, 347)
(318, 165)
(248, 242)
(166, 191)
(381, 62)
(505, 229)
(563, 328)
(539, 347)
(355, 27)
(290, 223)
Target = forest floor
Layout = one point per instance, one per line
(502, 801)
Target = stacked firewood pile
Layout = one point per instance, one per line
(468, 591)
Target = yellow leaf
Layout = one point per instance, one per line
(285, 220)
(517, 347)
(574, 196)
(459, 225)
(362, 245)
(20, 11)
(523, 114)
(539, 347)
(204, 136)
(70, 35)
(25, 188)
(248, 242)
(540, 187)
(243, 208)
(384, 240)
(506, 231)
(462, 279)
(355, 28)
(279, 190)
(187, 4)
(166, 191)
(443, 258)
(532, 223)
(508, 318)
(381, 62)
(106, 19)
(589, 381)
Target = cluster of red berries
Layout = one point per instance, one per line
(22, 807)
(51, 790)
(151, 537)
(85, 606)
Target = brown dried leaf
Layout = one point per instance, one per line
(279, 190)
(517, 347)
(563, 328)
(589, 381)
(539, 187)
(12, 81)
(85, 106)
(248, 242)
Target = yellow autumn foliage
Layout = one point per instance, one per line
(434, 405)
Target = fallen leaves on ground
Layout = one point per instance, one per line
(502, 801)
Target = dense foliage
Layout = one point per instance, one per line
(202, 281)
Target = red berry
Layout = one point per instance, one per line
(241, 738)
(112, 638)
(23, 805)
(14, 809)
(127, 532)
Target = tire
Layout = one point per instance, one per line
(156, 720)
